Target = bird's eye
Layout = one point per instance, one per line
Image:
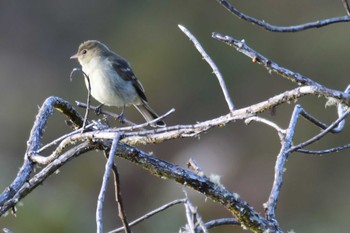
(84, 51)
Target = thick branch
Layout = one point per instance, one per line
(37, 179)
(245, 214)
(34, 141)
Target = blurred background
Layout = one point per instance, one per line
(37, 39)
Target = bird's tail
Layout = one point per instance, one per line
(149, 115)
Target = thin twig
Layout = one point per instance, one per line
(87, 79)
(212, 65)
(272, 28)
(57, 140)
(325, 151)
(193, 218)
(101, 196)
(119, 200)
(281, 132)
(346, 6)
(133, 125)
(150, 214)
(320, 135)
(148, 123)
(104, 112)
(218, 222)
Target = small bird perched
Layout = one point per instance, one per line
(112, 81)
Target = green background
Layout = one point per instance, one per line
(37, 39)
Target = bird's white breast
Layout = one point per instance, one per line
(107, 86)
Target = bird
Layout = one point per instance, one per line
(112, 81)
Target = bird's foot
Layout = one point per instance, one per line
(121, 118)
(98, 109)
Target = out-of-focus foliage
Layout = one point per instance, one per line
(37, 39)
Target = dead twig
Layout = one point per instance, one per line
(212, 65)
(295, 28)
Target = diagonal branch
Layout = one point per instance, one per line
(271, 66)
(34, 142)
(150, 214)
(241, 210)
(212, 65)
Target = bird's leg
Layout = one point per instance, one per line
(98, 109)
(105, 119)
(121, 116)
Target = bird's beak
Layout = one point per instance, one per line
(75, 56)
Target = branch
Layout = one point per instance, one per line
(244, 213)
(218, 222)
(150, 214)
(101, 196)
(104, 112)
(287, 149)
(30, 184)
(325, 151)
(271, 66)
(320, 135)
(279, 166)
(272, 28)
(33, 144)
(87, 80)
(212, 65)
(193, 218)
(346, 6)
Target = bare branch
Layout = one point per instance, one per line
(133, 126)
(322, 134)
(244, 213)
(271, 66)
(150, 214)
(287, 149)
(148, 123)
(325, 151)
(87, 80)
(56, 141)
(104, 112)
(101, 196)
(194, 220)
(218, 222)
(119, 200)
(30, 184)
(171, 132)
(272, 28)
(346, 6)
(280, 131)
(279, 166)
(33, 143)
(212, 65)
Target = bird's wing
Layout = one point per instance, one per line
(122, 67)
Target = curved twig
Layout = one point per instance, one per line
(272, 28)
